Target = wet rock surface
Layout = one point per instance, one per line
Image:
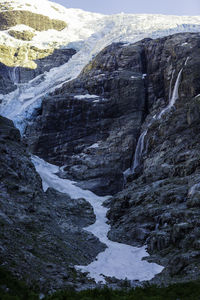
(41, 236)
(159, 206)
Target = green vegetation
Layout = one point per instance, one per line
(36, 21)
(22, 56)
(183, 291)
(13, 289)
(24, 35)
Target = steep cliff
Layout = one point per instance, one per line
(160, 206)
(92, 123)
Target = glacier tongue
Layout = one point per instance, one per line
(118, 260)
(87, 32)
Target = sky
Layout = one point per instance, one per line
(174, 7)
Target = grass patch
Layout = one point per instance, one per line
(182, 291)
(13, 289)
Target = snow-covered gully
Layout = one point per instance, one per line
(118, 260)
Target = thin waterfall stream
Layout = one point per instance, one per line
(173, 96)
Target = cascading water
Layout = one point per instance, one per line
(138, 151)
(137, 156)
(174, 96)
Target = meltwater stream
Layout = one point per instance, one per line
(118, 260)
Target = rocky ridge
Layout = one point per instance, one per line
(33, 20)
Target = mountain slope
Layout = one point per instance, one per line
(81, 95)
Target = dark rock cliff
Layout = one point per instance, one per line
(95, 137)
(161, 206)
(41, 236)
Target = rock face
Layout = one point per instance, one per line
(41, 233)
(92, 124)
(43, 61)
(161, 206)
(95, 137)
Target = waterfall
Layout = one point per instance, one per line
(137, 157)
(174, 95)
(13, 74)
(138, 151)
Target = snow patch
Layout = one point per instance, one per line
(118, 260)
(95, 145)
(86, 96)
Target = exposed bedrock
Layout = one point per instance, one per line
(91, 124)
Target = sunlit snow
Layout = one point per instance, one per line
(118, 260)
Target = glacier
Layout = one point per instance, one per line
(89, 33)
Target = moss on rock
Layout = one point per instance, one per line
(24, 35)
(36, 21)
(22, 56)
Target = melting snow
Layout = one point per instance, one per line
(88, 96)
(118, 260)
(96, 145)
